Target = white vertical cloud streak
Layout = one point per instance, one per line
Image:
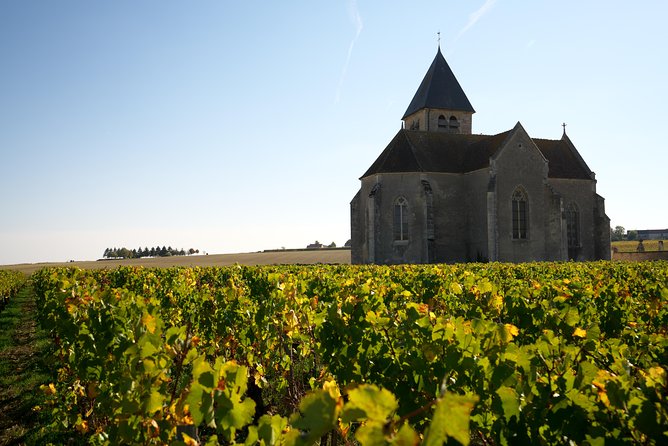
(356, 18)
(475, 16)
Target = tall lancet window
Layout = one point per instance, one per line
(520, 209)
(400, 219)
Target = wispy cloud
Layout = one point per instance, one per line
(356, 19)
(475, 16)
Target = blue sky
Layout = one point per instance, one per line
(242, 126)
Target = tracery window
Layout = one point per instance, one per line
(520, 211)
(573, 225)
(400, 219)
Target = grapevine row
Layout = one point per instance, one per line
(10, 283)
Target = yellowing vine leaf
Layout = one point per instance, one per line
(580, 333)
(149, 322)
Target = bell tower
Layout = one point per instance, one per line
(440, 104)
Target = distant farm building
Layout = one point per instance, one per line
(652, 234)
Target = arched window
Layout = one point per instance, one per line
(415, 125)
(573, 226)
(453, 124)
(400, 219)
(442, 122)
(520, 209)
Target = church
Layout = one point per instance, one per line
(439, 193)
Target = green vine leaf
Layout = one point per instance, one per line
(369, 402)
(451, 419)
(318, 415)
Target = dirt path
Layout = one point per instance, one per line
(22, 368)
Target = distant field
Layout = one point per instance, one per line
(254, 258)
(631, 246)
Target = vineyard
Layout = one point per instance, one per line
(10, 283)
(485, 354)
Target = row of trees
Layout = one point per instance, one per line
(125, 253)
(317, 245)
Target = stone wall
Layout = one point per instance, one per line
(602, 231)
(556, 246)
(640, 256)
(582, 194)
(450, 225)
(428, 120)
(474, 196)
(356, 228)
(376, 209)
(520, 164)
(437, 211)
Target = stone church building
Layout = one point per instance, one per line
(439, 193)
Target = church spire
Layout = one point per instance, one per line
(439, 97)
(439, 89)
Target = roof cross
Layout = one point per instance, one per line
(564, 126)
(439, 39)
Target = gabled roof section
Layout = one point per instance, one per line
(564, 159)
(521, 131)
(398, 156)
(440, 152)
(479, 153)
(420, 151)
(439, 89)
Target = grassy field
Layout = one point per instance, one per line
(254, 258)
(25, 364)
(631, 246)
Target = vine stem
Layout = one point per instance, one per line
(182, 356)
(389, 342)
(422, 409)
(482, 438)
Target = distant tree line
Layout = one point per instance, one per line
(620, 233)
(318, 245)
(125, 253)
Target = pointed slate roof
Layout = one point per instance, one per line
(439, 89)
(440, 152)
